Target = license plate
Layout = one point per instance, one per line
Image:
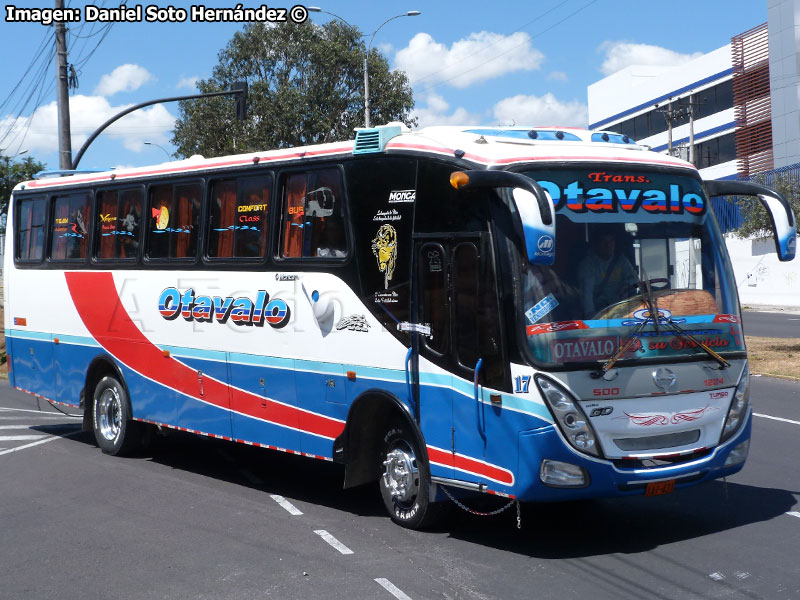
(659, 488)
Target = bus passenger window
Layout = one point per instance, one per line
(30, 230)
(118, 224)
(313, 216)
(70, 240)
(239, 217)
(174, 217)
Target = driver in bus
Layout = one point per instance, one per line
(604, 274)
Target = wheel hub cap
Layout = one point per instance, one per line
(401, 476)
(109, 411)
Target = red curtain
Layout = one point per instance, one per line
(294, 202)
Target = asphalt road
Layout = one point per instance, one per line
(196, 518)
(768, 324)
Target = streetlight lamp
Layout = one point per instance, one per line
(159, 147)
(410, 13)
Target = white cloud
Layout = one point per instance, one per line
(437, 112)
(542, 111)
(558, 76)
(124, 78)
(86, 114)
(624, 54)
(189, 83)
(478, 57)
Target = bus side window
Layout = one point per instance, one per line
(239, 217)
(71, 216)
(174, 218)
(30, 230)
(118, 222)
(313, 216)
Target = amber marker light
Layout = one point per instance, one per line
(459, 179)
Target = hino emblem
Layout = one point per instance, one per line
(664, 378)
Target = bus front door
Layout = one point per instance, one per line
(456, 297)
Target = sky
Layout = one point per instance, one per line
(520, 62)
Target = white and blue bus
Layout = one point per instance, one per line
(540, 314)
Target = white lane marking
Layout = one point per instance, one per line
(39, 412)
(392, 589)
(45, 416)
(286, 504)
(44, 441)
(776, 419)
(38, 425)
(794, 513)
(20, 438)
(333, 541)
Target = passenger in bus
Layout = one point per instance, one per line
(604, 274)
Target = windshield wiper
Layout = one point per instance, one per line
(652, 307)
(682, 333)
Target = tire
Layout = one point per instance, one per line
(405, 481)
(115, 431)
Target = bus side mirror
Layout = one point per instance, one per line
(540, 238)
(534, 208)
(784, 224)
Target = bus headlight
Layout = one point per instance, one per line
(738, 408)
(569, 416)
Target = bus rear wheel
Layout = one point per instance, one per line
(114, 429)
(405, 481)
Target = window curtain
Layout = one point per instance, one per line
(226, 203)
(294, 202)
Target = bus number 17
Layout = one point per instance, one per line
(521, 384)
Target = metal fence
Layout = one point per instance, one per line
(727, 209)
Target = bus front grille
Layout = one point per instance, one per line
(669, 440)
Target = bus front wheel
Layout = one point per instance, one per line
(115, 431)
(405, 481)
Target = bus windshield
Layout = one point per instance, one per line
(630, 244)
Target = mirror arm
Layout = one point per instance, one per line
(722, 187)
(509, 179)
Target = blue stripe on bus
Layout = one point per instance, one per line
(387, 376)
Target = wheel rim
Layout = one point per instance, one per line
(109, 410)
(401, 474)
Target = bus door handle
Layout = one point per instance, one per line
(478, 403)
(409, 354)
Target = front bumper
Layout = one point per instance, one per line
(609, 478)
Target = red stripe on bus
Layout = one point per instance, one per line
(470, 465)
(187, 168)
(100, 308)
(519, 159)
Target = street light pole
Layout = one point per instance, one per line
(169, 157)
(410, 13)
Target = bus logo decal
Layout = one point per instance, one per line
(384, 247)
(241, 311)
(402, 196)
(161, 215)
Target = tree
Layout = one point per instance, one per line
(757, 223)
(12, 173)
(306, 87)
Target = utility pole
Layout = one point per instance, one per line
(671, 115)
(64, 141)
